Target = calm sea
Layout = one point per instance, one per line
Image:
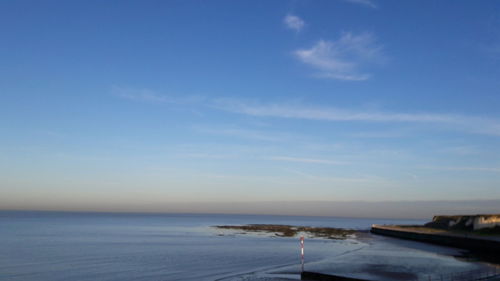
(103, 246)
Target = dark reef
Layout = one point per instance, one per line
(291, 231)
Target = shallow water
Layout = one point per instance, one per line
(102, 246)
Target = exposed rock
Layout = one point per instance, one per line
(290, 231)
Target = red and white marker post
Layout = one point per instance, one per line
(302, 252)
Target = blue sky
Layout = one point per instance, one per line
(142, 103)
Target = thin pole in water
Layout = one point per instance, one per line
(302, 252)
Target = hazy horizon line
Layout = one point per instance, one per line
(402, 209)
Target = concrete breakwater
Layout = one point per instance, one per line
(472, 242)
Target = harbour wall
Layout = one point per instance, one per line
(470, 242)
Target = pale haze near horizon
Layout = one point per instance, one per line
(341, 108)
(357, 209)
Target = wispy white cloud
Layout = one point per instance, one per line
(139, 95)
(471, 124)
(298, 111)
(366, 3)
(463, 150)
(380, 134)
(492, 50)
(344, 58)
(244, 133)
(456, 122)
(294, 22)
(362, 179)
(461, 169)
(207, 156)
(147, 95)
(305, 160)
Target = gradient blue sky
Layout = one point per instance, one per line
(144, 103)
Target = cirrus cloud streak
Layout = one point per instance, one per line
(470, 124)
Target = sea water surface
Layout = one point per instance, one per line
(116, 246)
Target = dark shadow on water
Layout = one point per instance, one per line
(384, 271)
(479, 257)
